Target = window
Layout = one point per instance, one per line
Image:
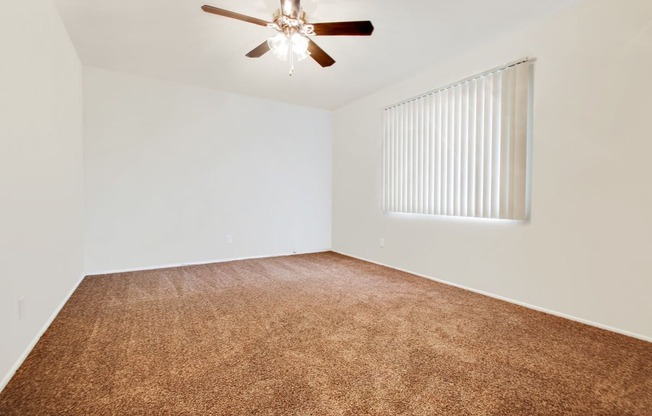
(461, 150)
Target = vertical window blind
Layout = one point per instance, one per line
(461, 150)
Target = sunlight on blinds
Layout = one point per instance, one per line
(461, 150)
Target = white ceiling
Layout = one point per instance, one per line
(174, 40)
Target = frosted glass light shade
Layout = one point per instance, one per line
(300, 46)
(279, 45)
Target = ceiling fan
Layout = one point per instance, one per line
(292, 40)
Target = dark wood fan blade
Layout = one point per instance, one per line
(291, 8)
(234, 15)
(259, 50)
(319, 55)
(360, 28)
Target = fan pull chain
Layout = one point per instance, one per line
(291, 59)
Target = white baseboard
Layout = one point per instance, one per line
(7, 378)
(516, 302)
(167, 266)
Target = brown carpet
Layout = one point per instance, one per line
(319, 334)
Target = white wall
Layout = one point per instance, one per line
(172, 169)
(41, 174)
(587, 250)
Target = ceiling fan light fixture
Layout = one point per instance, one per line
(280, 46)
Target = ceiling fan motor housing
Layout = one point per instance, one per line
(290, 25)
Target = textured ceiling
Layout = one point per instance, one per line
(174, 40)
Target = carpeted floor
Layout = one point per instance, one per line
(318, 334)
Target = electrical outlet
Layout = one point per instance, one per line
(229, 240)
(382, 243)
(21, 308)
